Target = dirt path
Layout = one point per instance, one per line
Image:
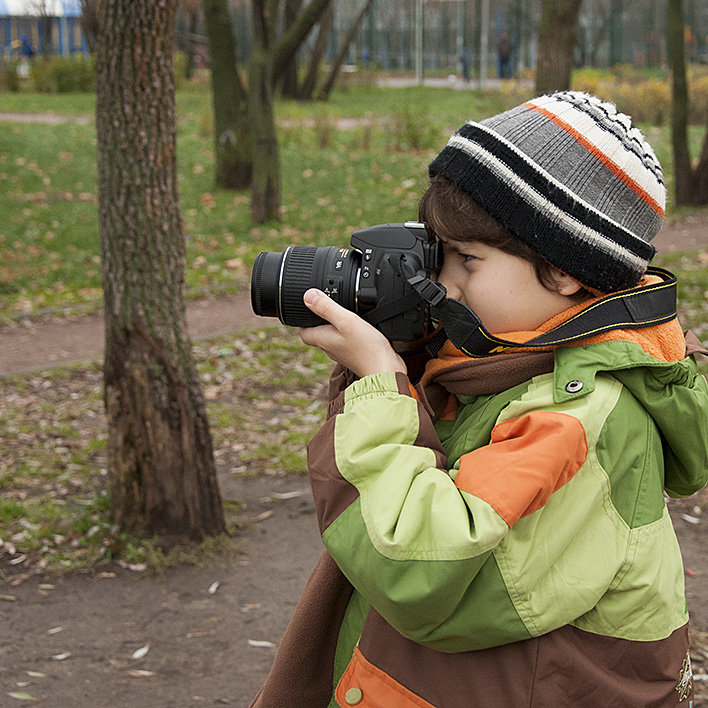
(29, 345)
(122, 639)
(81, 632)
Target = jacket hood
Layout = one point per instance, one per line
(672, 391)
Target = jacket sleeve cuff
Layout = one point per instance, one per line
(388, 383)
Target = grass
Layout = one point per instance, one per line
(264, 390)
(334, 181)
(55, 503)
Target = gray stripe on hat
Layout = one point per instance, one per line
(561, 155)
(540, 203)
(552, 178)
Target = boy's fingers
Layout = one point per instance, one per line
(325, 307)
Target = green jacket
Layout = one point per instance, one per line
(520, 551)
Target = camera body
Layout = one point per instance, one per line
(371, 278)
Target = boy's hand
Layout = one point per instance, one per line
(348, 339)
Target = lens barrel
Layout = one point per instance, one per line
(279, 281)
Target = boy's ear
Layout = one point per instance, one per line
(567, 286)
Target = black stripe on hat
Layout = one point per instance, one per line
(564, 199)
(587, 261)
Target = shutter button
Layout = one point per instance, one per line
(574, 386)
(353, 696)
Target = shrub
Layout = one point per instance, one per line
(698, 94)
(64, 74)
(42, 77)
(644, 95)
(325, 124)
(9, 78)
(413, 129)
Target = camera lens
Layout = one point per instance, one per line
(280, 280)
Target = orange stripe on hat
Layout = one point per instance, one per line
(604, 159)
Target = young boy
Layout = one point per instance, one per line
(497, 535)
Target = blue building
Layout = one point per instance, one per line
(25, 26)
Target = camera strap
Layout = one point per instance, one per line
(638, 307)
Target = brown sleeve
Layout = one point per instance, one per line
(303, 670)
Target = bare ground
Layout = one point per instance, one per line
(207, 635)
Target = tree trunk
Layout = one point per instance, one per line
(286, 49)
(334, 71)
(193, 16)
(89, 22)
(265, 185)
(318, 51)
(289, 85)
(683, 174)
(700, 190)
(556, 39)
(160, 459)
(232, 128)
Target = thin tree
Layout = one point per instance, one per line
(160, 459)
(265, 185)
(240, 120)
(691, 182)
(328, 85)
(89, 22)
(556, 39)
(232, 128)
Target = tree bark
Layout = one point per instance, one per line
(334, 71)
(160, 459)
(232, 128)
(265, 185)
(691, 184)
(310, 81)
(556, 40)
(293, 37)
(289, 83)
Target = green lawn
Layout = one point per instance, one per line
(334, 181)
(52, 471)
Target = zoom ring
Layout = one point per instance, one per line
(297, 278)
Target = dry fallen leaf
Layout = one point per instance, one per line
(136, 567)
(140, 673)
(262, 517)
(261, 643)
(105, 575)
(21, 696)
(213, 587)
(140, 653)
(61, 657)
(55, 630)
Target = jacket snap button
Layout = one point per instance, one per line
(574, 386)
(353, 696)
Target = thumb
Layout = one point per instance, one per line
(324, 306)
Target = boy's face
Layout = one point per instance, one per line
(502, 289)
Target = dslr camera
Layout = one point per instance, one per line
(383, 277)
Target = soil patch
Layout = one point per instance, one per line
(207, 635)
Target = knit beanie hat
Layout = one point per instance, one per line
(572, 178)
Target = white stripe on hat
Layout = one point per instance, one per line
(608, 144)
(541, 203)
